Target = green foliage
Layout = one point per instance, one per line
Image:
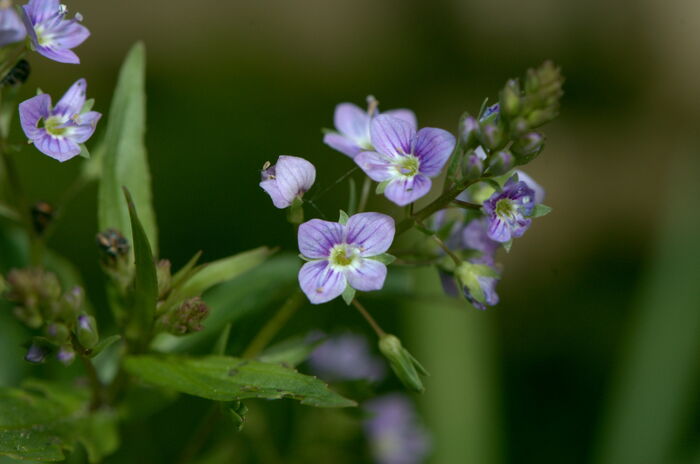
(290, 352)
(123, 153)
(222, 378)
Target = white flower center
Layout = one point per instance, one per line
(343, 256)
(407, 166)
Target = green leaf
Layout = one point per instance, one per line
(290, 352)
(348, 295)
(385, 258)
(103, 344)
(124, 161)
(352, 196)
(143, 308)
(540, 210)
(186, 271)
(222, 270)
(222, 378)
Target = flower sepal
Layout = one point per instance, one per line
(348, 294)
(405, 366)
(540, 210)
(295, 213)
(469, 274)
(385, 258)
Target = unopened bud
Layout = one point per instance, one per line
(404, 365)
(42, 215)
(491, 114)
(57, 332)
(527, 147)
(468, 132)
(510, 98)
(492, 136)
(66, 355)
(472, 166)
(500, 163)
(86, 331)
(37, 352)
(186, 318)
(73, 301)
(164, 277)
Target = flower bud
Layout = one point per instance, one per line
(66, 355)
(164, 277)
(42, 214)
(404, 365)
(492, 136)
(527, 147)
(510, 98)
(37, 352)
(186, 318)
(472, 166)
(86, 331)
(57, 332)
(500, 163)
(468, 132)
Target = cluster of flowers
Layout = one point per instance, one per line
(58, 131)
(485, 202)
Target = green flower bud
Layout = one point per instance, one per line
(404, 365)
(500, 163)
(468, 132)
(73, 303)
(86, 331)
(510, 99)
(66, 354)
(164, 277)
(57, 332)
(492, 136)
(527, 147)
(472, 166)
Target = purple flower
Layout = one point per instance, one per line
(405, 160)
(393, 431)
(508, 209)
(65, 126)
(475, 237)
(346, 357)
(537, 188)
(11, 27)
(290, 178)
(51, 34)
(342, 254)
(353, 125)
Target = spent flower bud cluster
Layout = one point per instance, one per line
(185, 318)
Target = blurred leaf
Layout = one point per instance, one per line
(37, 427)
(145, 278)
(290, 352)
(222, 378)
(657, 387)
(250, 292)
(124, 160)
(103, 344)
(222, 270)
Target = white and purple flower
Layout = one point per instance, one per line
(287, 180)
(394, 432)
(59, 131)
(11, 26)
(353, 126)
(508, 210)
(405, 160)
(342, 255)
(53, 35)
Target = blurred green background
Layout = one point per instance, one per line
(597, 331)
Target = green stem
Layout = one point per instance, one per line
(364, 196)
(95, 384)
(274, 325)
(466, 205)
(457, 260)
(368, 317)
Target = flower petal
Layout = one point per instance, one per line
(342, 143)
(31, 111)
(498, 230)
(407, 190)
(73, 100)
(69, 34)
(11, 27)
(368, 275)
(60, 56)
(41, 10)
(352, 122)
(372, 232)
(433, 147)
(316, 238)
(81, 133)
(58, 148)
(320, 282)
(270, 186)
(295, 176)
(391, 136)
(376, 166)
(534, 186)
(406, 115)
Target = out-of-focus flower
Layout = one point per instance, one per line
(346, 357)
(404, 159)
(342, 255)
(537, 188)
(508, 209)
(11, 26)
(86, 331)
(394, 433)
(353, 126)
(64, 127)
(287, 180)
(53, 35)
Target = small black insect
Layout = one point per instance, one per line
(42, 215)
(17, 75)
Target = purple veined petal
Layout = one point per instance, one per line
(475, 237)
(58, 148)
(82, 132)
(12, 27)
(488, 285)
(367, 275)
(391, 136)
(33, 110)
(320, 282)
(372, 232)
(69, 34)
(91, 117)
(405, 115)
(353, 122)
(498, 230)
(60, 56)
(408, 190)
(73, 100)
(376, 166)
(271, 187)
(316, 238)
(433, 147)
(295, 176)
(342, 144)
(41, 10)
(520, 226)
(537, 188)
